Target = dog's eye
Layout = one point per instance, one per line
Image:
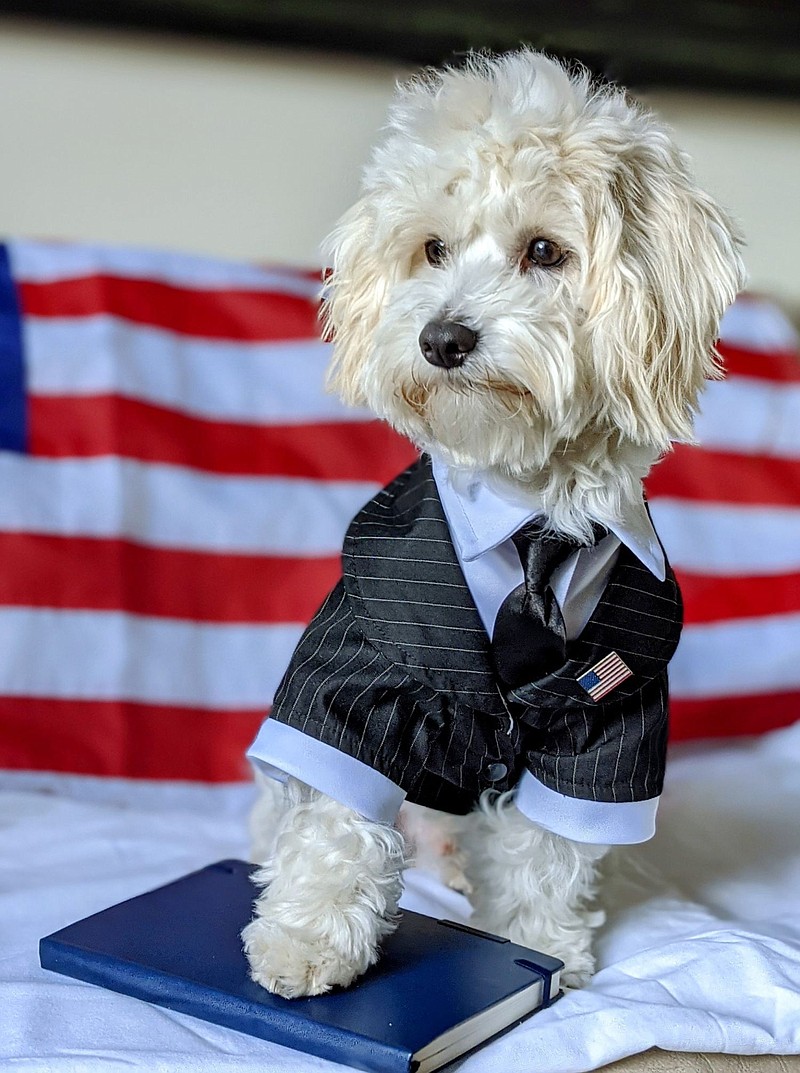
(435, 252)
(543, 253)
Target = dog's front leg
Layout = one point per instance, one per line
(532, 886)
(330, 895)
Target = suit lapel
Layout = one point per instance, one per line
(638, 617)
(409, 595)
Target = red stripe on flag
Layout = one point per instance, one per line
(97, 425)
(116, 575)
(126, 740)
(726, 717)
(220, 314)
(718, 598)
(144, 741)
(723, 477)
(775, 365)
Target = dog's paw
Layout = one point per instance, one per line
(287, 963)
(577, 973)
(571, 945)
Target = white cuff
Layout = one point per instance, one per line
(608, 823)
(280, 751)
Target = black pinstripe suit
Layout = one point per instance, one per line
(395, 669)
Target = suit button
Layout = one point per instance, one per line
(494, 772)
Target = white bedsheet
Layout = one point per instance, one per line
(701, 951)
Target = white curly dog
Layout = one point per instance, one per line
(574, 274)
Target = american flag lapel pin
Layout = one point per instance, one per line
(606, 675)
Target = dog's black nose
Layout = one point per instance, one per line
(446, 343)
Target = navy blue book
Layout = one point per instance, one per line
(439, 990)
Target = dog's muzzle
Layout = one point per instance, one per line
(446, 343)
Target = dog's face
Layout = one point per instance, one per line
(530, 274)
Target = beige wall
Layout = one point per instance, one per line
(250, 152)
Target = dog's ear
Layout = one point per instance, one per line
(354, 292)
(664, 266)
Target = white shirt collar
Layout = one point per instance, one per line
(480, 518)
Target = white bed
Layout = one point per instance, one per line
(701, 951)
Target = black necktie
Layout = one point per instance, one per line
(529, 638)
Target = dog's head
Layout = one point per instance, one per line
(532, 272)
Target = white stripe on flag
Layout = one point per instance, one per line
(92, 655)
(278, 382)
(719, 539)
(767, 417)
(716, 660)
(46, 262)
(173, 507)
(756, 324)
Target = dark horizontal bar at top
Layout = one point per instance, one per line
(731, 45)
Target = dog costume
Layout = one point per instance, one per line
(396, 671)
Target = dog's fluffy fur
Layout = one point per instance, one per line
(582, 376)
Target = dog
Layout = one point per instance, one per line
(529, 289)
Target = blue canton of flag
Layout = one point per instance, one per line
(605, 676)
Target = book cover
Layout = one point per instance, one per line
(439, 989)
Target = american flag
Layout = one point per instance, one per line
(605, 676)
(176, 484)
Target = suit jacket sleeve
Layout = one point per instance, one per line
(340, 689)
